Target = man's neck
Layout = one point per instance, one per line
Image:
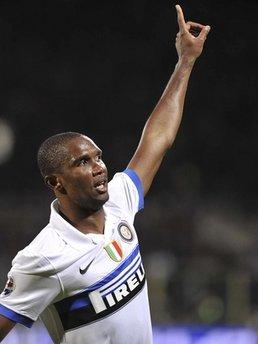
(85, 221)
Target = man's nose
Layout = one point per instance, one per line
(97, 168)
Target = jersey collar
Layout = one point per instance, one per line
(67, 232)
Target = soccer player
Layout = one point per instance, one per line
(83, 273)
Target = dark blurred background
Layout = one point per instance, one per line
(99, 67)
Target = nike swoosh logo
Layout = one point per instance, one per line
(83, 271)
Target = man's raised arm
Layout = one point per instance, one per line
(161, 128)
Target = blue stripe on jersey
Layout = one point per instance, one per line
(132, 272)
(82, 302)
(81, 299)
(131, 268)
(116, 272)
(16, 317)
(137, 182)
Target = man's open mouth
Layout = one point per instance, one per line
(101, 186)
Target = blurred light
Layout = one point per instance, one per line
(161, 334)
(204, 335)
(160, 265)
(6, 141)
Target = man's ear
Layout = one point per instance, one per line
(54, 183)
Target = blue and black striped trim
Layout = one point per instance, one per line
(81, 299)
(16, 317)
(137, 182)
(85, 315)
(115, 290)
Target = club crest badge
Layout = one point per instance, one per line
(114, 251)
(125, 232)
(9, 287)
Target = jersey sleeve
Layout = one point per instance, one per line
(126, 192)
(32, 285)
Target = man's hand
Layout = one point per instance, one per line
(190, 38)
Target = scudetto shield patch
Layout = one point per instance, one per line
(114, 251)
(125, 232)
(9, 287)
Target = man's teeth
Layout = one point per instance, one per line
(101, 186)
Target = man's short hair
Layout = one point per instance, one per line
(53, 152)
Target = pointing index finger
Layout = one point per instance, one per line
(181, 19)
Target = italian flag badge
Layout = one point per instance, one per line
(114, 251)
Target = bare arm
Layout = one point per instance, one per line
(161, 128)
(5, 327)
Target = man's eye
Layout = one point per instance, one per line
(83, 162)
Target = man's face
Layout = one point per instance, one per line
(84, 174)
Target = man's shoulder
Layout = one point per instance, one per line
(40, 253)
(117, 184)
(47, 241)
(125, 192)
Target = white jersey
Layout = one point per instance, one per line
(87, 288)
